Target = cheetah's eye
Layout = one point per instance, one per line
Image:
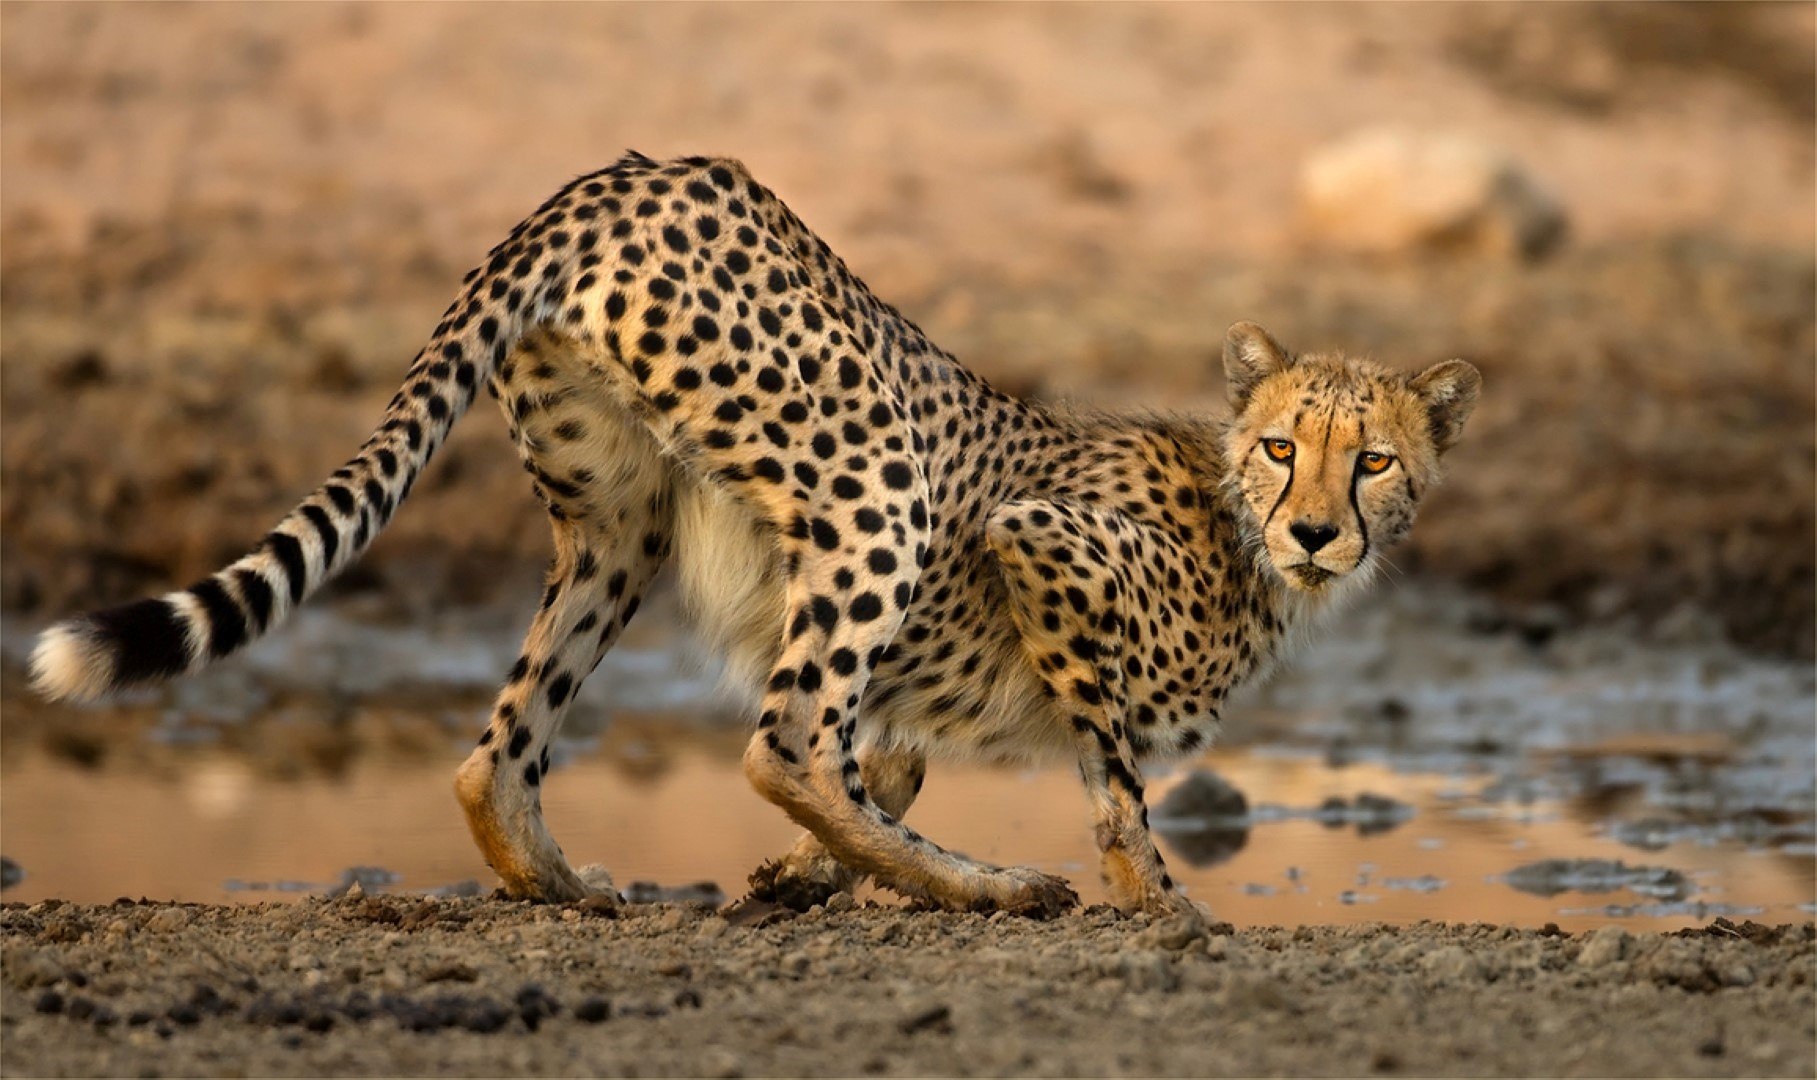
(1371, 462)
(1278, 449)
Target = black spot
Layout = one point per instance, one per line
(898, 475)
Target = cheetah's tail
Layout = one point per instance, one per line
(180, 632)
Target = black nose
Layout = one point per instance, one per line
(1313, 537)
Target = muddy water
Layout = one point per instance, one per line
(217, 831)
(1672, 782)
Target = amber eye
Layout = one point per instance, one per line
(1278, 449)
(1371, 462)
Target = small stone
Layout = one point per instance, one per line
(50, 1003)
(455, 971)
(936, 1018)
(1453, 963)
(167, 920)
(722, 1064)
(1605, 945)
(592, 1009)
(1174, 933)
(842, 902)
(1204, 796)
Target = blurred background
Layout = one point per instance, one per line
(225, 230)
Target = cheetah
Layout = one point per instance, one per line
(897, 560)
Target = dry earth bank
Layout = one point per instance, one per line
(401, 985)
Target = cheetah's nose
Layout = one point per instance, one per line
(1313, 537)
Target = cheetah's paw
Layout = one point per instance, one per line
(1022, 891)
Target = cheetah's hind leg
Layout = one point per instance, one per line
(610, 495)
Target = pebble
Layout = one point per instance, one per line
(1604, 946)
(592, 1009)
(167, 920)
(1452, 963)
(937, 1018)
(1174, 933)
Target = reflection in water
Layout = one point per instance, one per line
(94, 836)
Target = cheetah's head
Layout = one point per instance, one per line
(1332, 455)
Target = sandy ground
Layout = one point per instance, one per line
(441, 987)
(224, 230)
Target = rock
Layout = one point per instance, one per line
(452, 971)
(592, 1009)
(11, 873)
(937, 1018)
(1204, 797)
(1373, 814)
(1174, 933)
(167, 920)
(1603, 947)
(1549, 877)
(1399, 191)
(1204, 818)
(1453, 963)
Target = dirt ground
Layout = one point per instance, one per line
(224, 229)
(404, 986)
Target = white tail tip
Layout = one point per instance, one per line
(70, 663)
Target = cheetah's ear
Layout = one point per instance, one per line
(1250, 356)
(1449, 390)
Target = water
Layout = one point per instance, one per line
(216, 830)
(333, 746)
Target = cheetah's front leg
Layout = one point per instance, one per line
(809, 874)
(803, 759)
(1078, 647)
